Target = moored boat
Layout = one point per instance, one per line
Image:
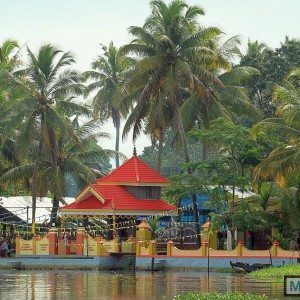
(244, 267)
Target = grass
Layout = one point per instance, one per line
(221, 296)
(276, 272)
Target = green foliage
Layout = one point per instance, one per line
(233, 155)
(276, 272)
(108, 78)
(173, 158)
(223, 296)
(273, 65)
(282, 164)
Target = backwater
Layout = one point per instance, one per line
(78, 285)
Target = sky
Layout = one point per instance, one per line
(80, 26)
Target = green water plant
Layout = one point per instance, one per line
(276, 272)
(223, 296)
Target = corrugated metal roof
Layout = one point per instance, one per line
(18, 207)
(118, 198)
(134, 171)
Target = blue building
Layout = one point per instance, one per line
(187, 211)
(186, 214)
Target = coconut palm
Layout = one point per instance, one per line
(43, 112)
(9, 61)
(157, 118)
(231, 101)
(80, 162)
(108, 75)
(177, 56)
(283, 163)
(9, 55)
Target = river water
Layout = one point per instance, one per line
(81, 285)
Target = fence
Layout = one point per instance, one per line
(85, 245)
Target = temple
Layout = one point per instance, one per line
(121, 200)
(133, 189)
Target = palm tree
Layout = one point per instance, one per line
(9, 61)
(109, 74)
(283, 163)
(82, 162)
(157, 118)
(177, 56)
(9, 55)
(38, 116)
(231, 101)
(255, 56)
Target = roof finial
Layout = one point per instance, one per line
(134, 150)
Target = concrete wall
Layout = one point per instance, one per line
(68, 263)
(143, 263)
(129, 262)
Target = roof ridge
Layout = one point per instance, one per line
(137, 175)
(134, 170)
(113, 171)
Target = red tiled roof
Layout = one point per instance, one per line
(134, 171)
(117, 198)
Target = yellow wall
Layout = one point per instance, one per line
(42, 246)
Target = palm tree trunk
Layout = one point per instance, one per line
(117, 148)
(54, 210)
(57, 192)
(180, 128)
(34, 176)
(160, 150)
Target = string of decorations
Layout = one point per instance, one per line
(96, 229)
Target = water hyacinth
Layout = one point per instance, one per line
(276, 272)
(223, 296)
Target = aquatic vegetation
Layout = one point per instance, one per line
(276, 272)
(223, 296)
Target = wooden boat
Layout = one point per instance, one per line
(243, 267)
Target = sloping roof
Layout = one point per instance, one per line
(118, 201)
(134, 172)
(17, 208)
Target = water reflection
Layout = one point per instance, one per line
(75, 285)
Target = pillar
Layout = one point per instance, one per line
(53, 241)
(274, 249)
(152, 248)
(18, 240)
(80, 234)
(100, 247)
(170, 247)
(138, 249)
(132, 244)
(239, 248)
(116, 246)
(204, 248)
(143, 233)
(35, 238)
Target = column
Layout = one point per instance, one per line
(53, 241)
(170, 247)
(80, 234)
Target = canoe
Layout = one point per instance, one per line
(243, 267)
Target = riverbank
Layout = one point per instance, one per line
(276, 272)
(129, 262)
(221, 296)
